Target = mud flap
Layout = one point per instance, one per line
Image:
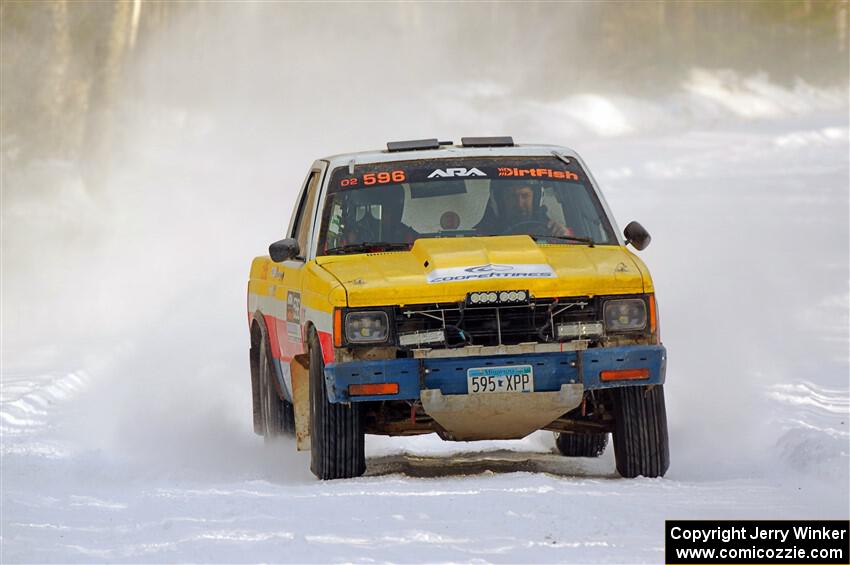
(255, 391)
(301, 401)
(501, 415)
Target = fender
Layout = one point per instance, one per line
(326, 343)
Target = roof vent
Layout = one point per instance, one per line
(413, 145)
(505, 141)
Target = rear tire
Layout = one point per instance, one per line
(581, 445)
(277, 415)
(640, 433)
(337, 438)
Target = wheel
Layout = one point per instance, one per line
(337, 439)
(640, 432)
(278, 417)
(581, 445)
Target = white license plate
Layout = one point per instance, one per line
(514, 378)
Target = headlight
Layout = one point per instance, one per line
(625, 315)
(366, 327)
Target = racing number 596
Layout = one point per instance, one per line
(384, 177)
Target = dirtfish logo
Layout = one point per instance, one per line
(457, 172)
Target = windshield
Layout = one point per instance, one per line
(391, 205)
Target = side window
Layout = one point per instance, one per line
(301, 229)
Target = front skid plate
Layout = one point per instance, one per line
(500, 415)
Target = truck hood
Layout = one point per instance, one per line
(446, 269)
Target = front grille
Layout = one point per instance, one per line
(497, 324)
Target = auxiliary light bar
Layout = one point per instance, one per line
(497, 297)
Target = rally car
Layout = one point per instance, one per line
(478, 290)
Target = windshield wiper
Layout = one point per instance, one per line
(367, 247)
(586, 240)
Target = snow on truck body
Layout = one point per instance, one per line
(479, 291)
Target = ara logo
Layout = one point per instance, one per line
(457, 172)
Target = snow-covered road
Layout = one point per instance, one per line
(422, 500)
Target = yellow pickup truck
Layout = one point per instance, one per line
(478, 290)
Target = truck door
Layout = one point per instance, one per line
(289, 328)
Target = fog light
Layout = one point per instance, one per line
(413, 339)
(580, 329)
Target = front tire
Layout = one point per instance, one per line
(581, 445)
(640, 433)
(337, 439)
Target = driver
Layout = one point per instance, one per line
(522, 205)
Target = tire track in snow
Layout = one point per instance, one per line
(26, 402)
(810, 403)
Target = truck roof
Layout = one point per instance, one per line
(446, 151)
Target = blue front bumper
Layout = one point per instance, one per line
(551, 370)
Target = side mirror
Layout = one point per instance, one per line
(637, 235)
(284, 249)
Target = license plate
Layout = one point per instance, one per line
(515, 378)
